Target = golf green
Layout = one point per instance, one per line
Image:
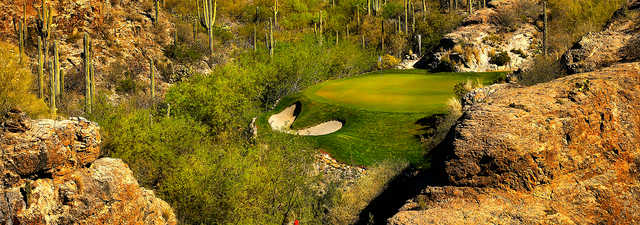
(393, 114)
(390, 92)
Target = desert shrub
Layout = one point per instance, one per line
(506, 18)
(127, 85)
(17, 83)
(460, 89)
(500, 59)
(445, 65)
(543, 69)
(388, 62)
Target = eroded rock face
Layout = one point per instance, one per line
(563, 152)
(619, 41)
(482, 36)
(51, 174)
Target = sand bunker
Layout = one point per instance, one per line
(283, 120)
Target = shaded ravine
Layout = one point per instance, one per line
(407, 185)
(404, 186)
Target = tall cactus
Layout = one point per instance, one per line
(363, 43)
(18, 27)
(87, 73)
(406, 16)
(44, 27)
(275, 13)
(545, 31)
(209, 19)
(470, 3)
(157, 8)
(56, 68)
(61, 83)
(382, 36)
(40, 69)
(52, 89)
(153, 80)
(271, 42)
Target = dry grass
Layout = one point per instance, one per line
(355, 198)
(16, 84)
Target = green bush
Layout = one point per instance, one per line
(500, 59)
(16, 83)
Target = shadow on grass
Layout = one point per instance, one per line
(407, 185)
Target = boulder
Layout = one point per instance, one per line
(51, 174)
(563, 152)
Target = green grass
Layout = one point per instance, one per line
(380, 112)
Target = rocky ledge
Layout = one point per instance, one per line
(619, 41)
(51, 174)
(563, 152)
(489, 40)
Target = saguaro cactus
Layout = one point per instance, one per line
(271, 42)
(52, 88)
(209, 19)
(44, 27)
(157, 8)
(153, 80)
(545, 31)
(382, 36)
(40, 69)
(18, 27)
(275, 13)
(56, 69)
(87, 73)
(470, 3)
(363, 43)
(406, 16)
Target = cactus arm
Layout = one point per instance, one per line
(87, 75)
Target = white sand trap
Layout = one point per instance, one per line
(283, 120)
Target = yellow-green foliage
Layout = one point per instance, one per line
(16, 82)
(388, 62)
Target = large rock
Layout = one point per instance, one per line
(50, 175)
(470, 47)
(619, 41)
(563, 152)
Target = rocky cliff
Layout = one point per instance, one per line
(51, 174)
(501, 37)
(619, 41)
(563, 152)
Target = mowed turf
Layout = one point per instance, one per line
(380, 112)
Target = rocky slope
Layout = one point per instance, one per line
(487, 33)
(123, 36)
(619, 41)
(51, 174)
(563, 152)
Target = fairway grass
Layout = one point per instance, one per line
(380, 113)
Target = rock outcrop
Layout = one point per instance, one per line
(619, 41)
(492, 32)
(51, 174)
(563, 152)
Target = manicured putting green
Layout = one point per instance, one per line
(391, 92)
